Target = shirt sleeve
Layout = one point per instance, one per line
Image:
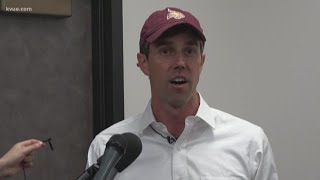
(96, 150)
(261, 158)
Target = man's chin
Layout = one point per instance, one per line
(179, 100)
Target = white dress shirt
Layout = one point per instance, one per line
(213, 146)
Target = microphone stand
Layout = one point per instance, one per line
(107, 167)
(112, 174)
(89, 173)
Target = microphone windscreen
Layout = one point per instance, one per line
(118, 142)
(134, 148)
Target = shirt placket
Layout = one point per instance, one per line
(179, 157)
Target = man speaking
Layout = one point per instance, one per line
(182, 136)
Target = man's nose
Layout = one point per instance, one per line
(180, 61)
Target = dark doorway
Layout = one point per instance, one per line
(107, 63)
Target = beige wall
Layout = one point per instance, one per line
(262, 65)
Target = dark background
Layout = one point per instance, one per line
(46, 89)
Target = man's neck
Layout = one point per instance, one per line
(174, 118)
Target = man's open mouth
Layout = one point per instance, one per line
(178, 81)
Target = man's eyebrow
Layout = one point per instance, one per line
(162, 42)
(193, 42)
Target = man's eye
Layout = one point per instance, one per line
(190, 51)
(165, 51)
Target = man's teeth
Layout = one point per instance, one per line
(179, 80)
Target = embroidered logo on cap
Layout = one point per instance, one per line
(174, 14)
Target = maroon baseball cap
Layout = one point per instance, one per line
(160, 21)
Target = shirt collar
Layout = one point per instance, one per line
(204, 113)
(147, 118)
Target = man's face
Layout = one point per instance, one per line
(173, 65)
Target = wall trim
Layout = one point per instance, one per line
(107, 63)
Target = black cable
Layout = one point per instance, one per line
(51, 147)
(24, 174)
(169, 138)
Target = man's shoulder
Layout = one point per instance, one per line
(225, 121)
(126, 125)
(235, 124)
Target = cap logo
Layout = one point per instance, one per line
(174, 14)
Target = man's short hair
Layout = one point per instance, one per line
(175, 30)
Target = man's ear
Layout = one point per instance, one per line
(203, 59)
(143, 63)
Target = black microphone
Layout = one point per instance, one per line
(89, 173)
(115, 148)
(134, 148)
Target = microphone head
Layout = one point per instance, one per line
(134, 148)
(118, 142)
